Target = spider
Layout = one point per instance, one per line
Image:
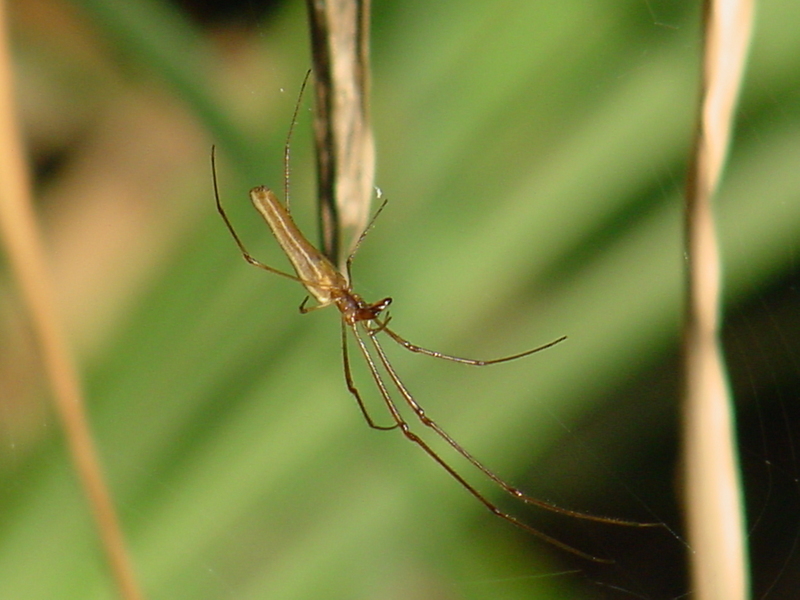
(329, 286)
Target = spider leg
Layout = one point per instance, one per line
(465, 361)
(357, 245)
(304, 310)
(413, 437)
(348, 377)
(382, 321)
(287, 146)
(245, 254)
(511, 490)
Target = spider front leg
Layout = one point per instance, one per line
(508, 488)
(380, 324)
(351, 387)
(465, 361)
(402, 424)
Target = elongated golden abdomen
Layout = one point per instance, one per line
(315, 271)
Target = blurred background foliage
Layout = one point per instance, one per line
(533, 154)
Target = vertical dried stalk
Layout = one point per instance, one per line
(345, 146)
(25, 249)
(714, 509)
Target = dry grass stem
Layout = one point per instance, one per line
(344, 140)
(714, 504)
(25, 248)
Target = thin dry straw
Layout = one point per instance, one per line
(714, 511)
(339, 31)
(25, 248)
